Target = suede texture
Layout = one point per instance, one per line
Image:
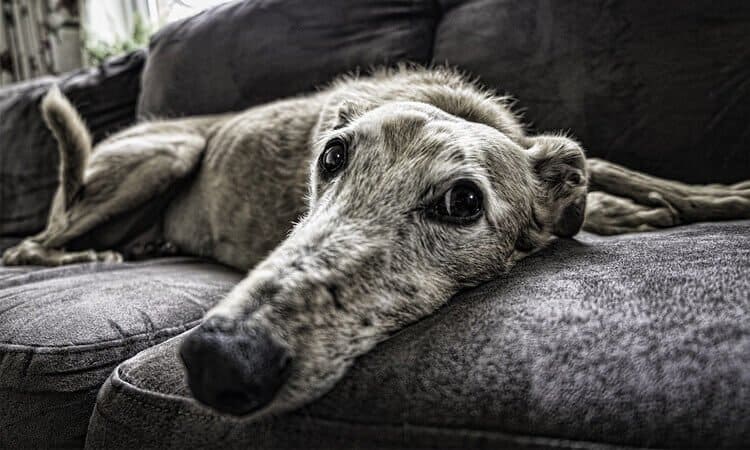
(63, 330)
(637, 340)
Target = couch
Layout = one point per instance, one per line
(640, 340)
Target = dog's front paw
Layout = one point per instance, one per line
(19, 255)
(10, 256)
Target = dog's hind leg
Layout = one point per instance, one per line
(31, 252)
(625, 200)
(122, 174)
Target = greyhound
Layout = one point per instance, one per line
(357, 210)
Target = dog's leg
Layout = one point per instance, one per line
(111, 189)
(607, 214)
(31, 252)
(120, 176)
(633, 201)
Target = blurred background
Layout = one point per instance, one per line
(50, 37)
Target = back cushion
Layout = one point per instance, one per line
(660, 86)
(657, 86)
(250, 52)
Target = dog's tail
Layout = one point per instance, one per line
(73, 139)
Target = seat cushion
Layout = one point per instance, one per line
(639, 340)
(63, 330)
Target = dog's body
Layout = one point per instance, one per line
(405, 187)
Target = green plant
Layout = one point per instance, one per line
(97, 51)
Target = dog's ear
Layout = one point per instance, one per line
(559, 165)
(337, 113)
(340, 113)
(347, 111)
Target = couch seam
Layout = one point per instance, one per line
(438, 19)
(107, 268)
(8, 347)
(123, 388)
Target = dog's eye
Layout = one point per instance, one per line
(460, 204)
(334, 157)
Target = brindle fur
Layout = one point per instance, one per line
(339, 265)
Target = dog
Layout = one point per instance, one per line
(357, 210)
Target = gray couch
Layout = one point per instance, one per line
(640, 340)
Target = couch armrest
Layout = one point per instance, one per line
(105, 96)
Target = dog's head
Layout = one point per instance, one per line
(407, 205)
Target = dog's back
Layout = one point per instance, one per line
(253, 180)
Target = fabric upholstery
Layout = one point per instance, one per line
(105, 97)
(640, 340)
(260, 51)
(651, 85)
(656, 86)
(63, 330)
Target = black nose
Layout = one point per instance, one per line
(233, 370)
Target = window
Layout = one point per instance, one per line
(41, 37)
(118, 26)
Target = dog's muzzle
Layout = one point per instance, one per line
(235, 371)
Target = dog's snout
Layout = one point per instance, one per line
(234, 371)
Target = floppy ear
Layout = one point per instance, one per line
(559, 166)
(347, 111)
(338, 113)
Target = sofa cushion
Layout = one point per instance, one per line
(105, 96)
(63, 330)
(656, 86)
(651, 85)
(640, 340)
(249, 52)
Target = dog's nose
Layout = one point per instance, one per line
(234, 371)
